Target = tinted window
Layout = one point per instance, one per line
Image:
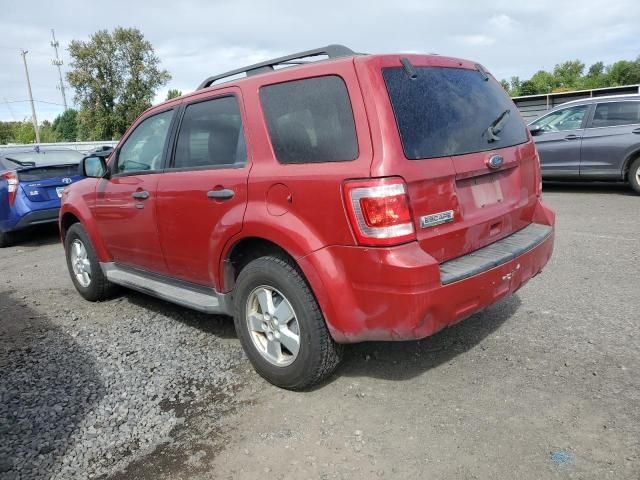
(447, 111)
(143, 149)
(211, 135)
(310, 120)
(616, 113)
(565, 119)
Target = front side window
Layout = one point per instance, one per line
(310, 120)
(565, 119)
(142, 150)
(616, 113)
(211, 135)
(449, 111)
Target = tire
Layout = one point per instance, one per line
(634, 175)
(98, 287)
(318, 354)
(6, 239)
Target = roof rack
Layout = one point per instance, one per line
(331, 51)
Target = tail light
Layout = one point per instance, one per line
(538, 179)
(12, 185)
(379, 211)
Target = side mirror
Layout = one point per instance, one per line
(94, 167)
(535, 130)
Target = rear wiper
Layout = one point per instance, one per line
(496, 127)
(22, 164)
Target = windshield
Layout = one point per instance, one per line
(451, 111)
(47, 157)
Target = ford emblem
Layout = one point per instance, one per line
(495, 161)
(66, 180)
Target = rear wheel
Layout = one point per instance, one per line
(280, 325)
(6, 239)
(634, 175)
(84, 266)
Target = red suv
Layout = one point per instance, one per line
(351, 198)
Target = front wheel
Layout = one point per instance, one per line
(280, 325)
(634, 175)
(84, 266)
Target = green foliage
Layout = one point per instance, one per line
(66, 126)
(173, 93)
(115, 76)
(568, 76)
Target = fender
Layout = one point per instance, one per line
(629, 158)
(294, 236)
(75, 200)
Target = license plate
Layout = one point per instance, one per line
(59, 191)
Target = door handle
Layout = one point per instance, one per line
(140, 195)
(637, 130)
(224, 194)
(572, 136)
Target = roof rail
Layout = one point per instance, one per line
(331, 51)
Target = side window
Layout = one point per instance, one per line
(142, 151)
(616, 113)
(565, 119)
(211, 135)
(310, 120)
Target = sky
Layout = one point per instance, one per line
(195, 39)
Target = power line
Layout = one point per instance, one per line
(37, 101)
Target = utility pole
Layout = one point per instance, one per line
(33, 108)
(58, 63)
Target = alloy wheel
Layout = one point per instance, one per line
(273, 326)
(80, 263)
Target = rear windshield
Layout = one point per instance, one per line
(447, 111)
(46, 157)
(42, 173)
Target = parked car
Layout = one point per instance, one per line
(355, 198)
(31, 183)
(591, 139)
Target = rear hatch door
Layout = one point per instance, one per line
(44, 183)
(465, 154)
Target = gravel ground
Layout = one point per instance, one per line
(542, 385)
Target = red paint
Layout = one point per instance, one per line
(388, 292)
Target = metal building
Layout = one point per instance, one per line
(533, 106)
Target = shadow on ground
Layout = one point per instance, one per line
(37, 236)
(374, 359)
(218, 325)
(602, 188)
(406, 360)
(47, 386)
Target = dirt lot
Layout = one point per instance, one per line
(543, 385)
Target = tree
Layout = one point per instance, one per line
(115, 77)
(568, 74)
(528, 88)
(173, 93)
(47, 132)
(543, 81)
(624, 72)
(66, 127)
(596, 76)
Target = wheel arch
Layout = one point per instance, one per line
(632, 157)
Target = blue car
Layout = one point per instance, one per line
(31, 184)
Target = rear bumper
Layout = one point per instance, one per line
(399, 293)
(37, 217)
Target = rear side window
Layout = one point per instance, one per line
(310, 120)
(447, 111)
(211, 135)
(616, 113)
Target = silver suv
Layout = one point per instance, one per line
(591, 139)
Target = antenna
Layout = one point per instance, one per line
(58, 63)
